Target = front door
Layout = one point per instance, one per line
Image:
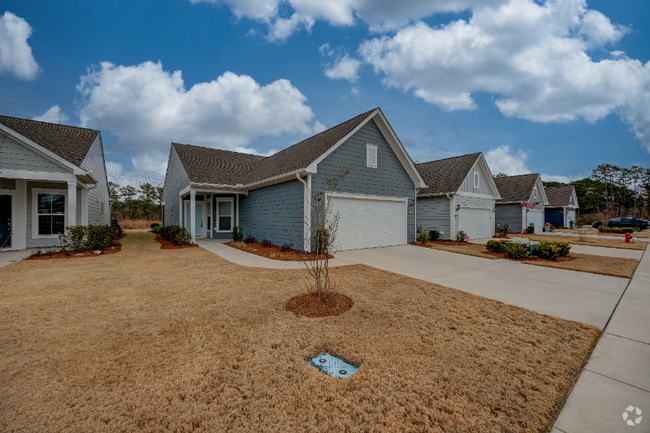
(198, 231)
(5, 221)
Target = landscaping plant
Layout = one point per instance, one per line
(460, 236)
(621, 230)
(267, 243)
(176, 234)
(516, 251)
(495, 246)
(154, 225)
(93, 237)
(531, 228)
(237, 234)
(504, 230)
(423, 238)
(249, 240)
(434, 235)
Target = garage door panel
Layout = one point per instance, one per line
(367, 223)
(537, 218)
(476, 222)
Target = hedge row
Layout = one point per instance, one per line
(545, 250)
(616, 229)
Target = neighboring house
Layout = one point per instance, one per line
(51, 176)
(562, 206)
(516, 192)
(209, 191)
(460, 196)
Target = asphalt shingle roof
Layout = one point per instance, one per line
(215, 166)
(204, 165)
(516, 188)
(559, 195)
(69, 142)
(445, 175)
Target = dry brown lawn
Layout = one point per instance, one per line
(182, 340)
(589, 242)
(602, 265)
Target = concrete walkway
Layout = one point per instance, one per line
(618, 373)
(7, 257)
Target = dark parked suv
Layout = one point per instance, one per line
(638, 223)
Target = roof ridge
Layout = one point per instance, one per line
(50, 123)
(451, 157)
(218, 150)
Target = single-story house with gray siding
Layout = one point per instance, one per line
(209, 191)
(515, 191)
(562, 206)
(51, 176)
(460, 196)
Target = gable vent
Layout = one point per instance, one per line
(371, 155)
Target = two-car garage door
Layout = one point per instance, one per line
(366, 222)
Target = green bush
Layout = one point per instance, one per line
(616, 229)
(423, 238)
(116, 229)
(176, 234)
(547, 251)
(75, 238)
(237, 234)
(570, 224)
(460, 236)
(154, 225)
(99, 237)
(504, 229)
(516, 251)
(495, 246)
(156, 229)
(531, 228)
(434, 235)
(564, 247)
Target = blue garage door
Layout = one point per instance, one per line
(555, 217)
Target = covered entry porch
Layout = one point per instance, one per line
(209, 212)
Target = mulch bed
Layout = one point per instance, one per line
(169, 245)
(115, 247)
(311, 305)
(274, 252)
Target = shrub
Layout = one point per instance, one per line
(423, 238)
(249, 240)
(434, 235)
(99, 237)
(602, 229)
(531, 228)
(504, 229)
(116, 229)
(286, 246)
(154, 225)
(547, 251)
(322, 240)
(570, 224)
(237, 234)
(176, 234)
(516, 251)
(564, 247)
(75, 238)
(267, 243)
(183, 237)
(460, 236)
(156, 229)
(495, 246)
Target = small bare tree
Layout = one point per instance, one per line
(580, 229)
(320, 232)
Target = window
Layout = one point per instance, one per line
(477, 177)
(102, 209)
(535, 192)
(51, 213)
(224, 216)
(371, 155)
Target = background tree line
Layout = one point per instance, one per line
(142, 203)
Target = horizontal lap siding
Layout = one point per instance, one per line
(388, 179)
(94, 162)
(510, 214)
(16, 156)
(267, 213)
(433, 214)
(175, 181)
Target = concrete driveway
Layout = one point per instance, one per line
(579, 296)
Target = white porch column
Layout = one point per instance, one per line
(307, 216)
(72, 203)
(193, 215)
(180, 211)
(19, 217)
(84, 207)
(237, 209)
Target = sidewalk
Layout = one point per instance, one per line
(7, 257)
(617, 375)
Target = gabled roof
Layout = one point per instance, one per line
(445, 176)
(516, 188)
(68, 142)
(215, 166)
(560, 195)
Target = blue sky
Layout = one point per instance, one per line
(549, 87)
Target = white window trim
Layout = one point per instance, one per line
(477, 179)
(372, 148)
(35, 192)
(216, 213)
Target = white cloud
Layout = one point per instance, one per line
(119, 175)
(557, 178)
(15, 53)
(534, 56)
(325, 50)
(346, 68)
(148, 107)
(53, 115)
(380, 15)
(503, 160)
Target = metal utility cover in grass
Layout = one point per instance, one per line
(332, 366)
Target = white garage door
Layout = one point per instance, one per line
(477, 223)
(571, 216)
(369, 223)
(536, 217)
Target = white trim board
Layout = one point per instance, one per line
(35, 192)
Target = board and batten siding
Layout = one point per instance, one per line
(175, 181)
(94, 162)
(468, 183)
(510, 214)
(31, 218)
(269, 212)
(17, 156)
(433, 214)
(389, 179)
